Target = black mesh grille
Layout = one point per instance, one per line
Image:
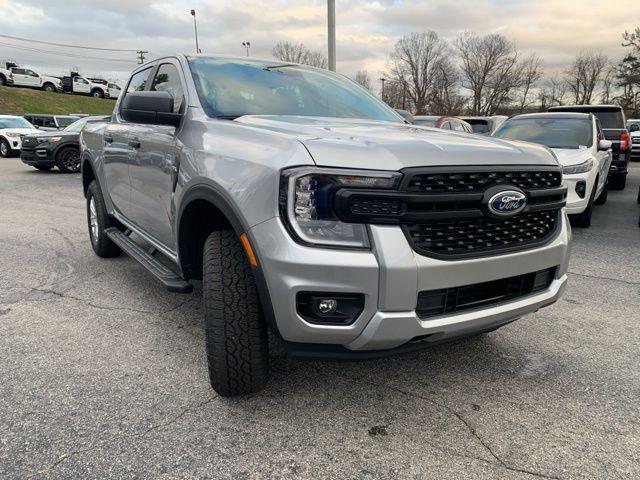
(479, 295)
(479, 181)
(374, 206)
(479, 235)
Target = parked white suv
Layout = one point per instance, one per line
(12, 129)
(578, 142)
(24, 77)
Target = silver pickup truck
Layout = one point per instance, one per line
(306, 205)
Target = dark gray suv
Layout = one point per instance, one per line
(307, 205)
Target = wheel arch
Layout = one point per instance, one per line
(203, 210)
(88, 172)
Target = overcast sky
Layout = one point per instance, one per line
(366, 30)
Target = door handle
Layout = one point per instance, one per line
(108, 139)
(134, 143)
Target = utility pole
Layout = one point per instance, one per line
(195, 28)
(382, 79)
(247, 45)
(141, 54)
(331, 23)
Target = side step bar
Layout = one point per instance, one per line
(170, 279)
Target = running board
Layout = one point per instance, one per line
(171, 280)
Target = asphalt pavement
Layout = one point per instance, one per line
(103, 373)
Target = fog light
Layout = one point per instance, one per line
(581, 188)
(330, 308)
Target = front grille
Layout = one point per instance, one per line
(463, 236)
(29, 142)
(635, 139)
(479, 181)
(432, 303)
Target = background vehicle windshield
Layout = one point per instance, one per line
(232, 88)
(610, 118)
(76, 126)
(15, 122)
(552, 132)
(425, 122)
(65, 121)
(479, 126)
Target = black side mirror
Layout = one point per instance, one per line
(405, 114)
(155, 108)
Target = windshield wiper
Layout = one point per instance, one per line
(270, 67)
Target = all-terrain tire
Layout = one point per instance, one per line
(101, 244)
(236, 332)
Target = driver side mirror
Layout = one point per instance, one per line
(154, 108)
(604, 144)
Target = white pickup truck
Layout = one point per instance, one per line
(25, 77)
(84, 86)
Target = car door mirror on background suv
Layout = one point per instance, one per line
(604, 144)
(155, 108)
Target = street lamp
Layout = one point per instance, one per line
(331, 33)
(195, 27)
(247, 45)
(382, 79)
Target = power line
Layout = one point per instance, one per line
(67, 45)
(141, 56)
(71, 55)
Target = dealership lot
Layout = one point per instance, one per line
(104, 372)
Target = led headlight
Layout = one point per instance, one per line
(306, 203)
(12, 134)
(580, 168)
(48, 139)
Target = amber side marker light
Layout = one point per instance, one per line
(248, 250)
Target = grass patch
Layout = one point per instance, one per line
(18, 101)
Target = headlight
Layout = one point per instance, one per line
(580, 168)
(49, 139)
(12, 134)
(306, 203)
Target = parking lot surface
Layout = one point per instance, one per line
(103, 372)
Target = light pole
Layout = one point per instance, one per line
(382, 79)
(331, 33)
(247, 45)
(195, 27)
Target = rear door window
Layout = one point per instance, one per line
(610, 119)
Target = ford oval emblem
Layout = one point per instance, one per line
(507, 203)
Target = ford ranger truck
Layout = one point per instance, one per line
(308, 207)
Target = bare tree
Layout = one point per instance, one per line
(362, 77)
(445, 98)
(584, 75)
(415, 64)
(530, 73)
(490, 70)
(608, 83)
(552, 92)
(299, 53)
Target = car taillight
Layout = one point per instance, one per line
(624, 141)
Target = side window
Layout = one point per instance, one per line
(138, 82)
(599, 130)
(457, 127)
(446, 126)
(18, 71)
(167, 79)
(31, 73)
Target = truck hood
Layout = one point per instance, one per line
(20, 131)
(355, 143)
(572, 156)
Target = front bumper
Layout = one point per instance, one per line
(390, 277)
(576, 204)
(40, 157)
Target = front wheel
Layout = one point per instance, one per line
(236, 333)
(5, 148)
(49, 87)
(68, 160)
(98, 221)
(97, 94)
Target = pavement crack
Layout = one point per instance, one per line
(65, 295)
(598, 277)
(468, 427)
(134, 436)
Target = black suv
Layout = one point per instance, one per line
(614, 127)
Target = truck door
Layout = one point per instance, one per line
(20, 78)
(80, 85)
(155, 168)
(32, 79)
(119, 153)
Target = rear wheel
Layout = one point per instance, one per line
(98, 221)
(48, 87)
(97, 93)
(68, 160)
(3, 81)
(236, 333)
(618, 181)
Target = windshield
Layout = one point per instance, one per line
(14, 122)
(232, 88)
(425, 122)
(65, 121)
(76, 126)
(552, 132)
